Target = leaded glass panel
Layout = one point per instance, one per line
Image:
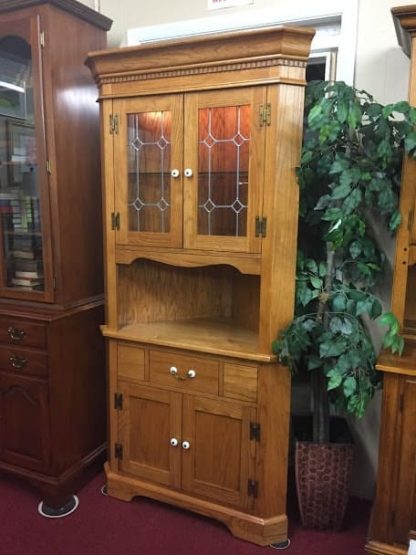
(149, 159)
(223, 169)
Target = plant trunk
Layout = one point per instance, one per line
(320, 402)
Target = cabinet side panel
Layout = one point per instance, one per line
(77, 385)
(72, 120)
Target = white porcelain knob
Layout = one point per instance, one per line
(174, 442)
(188, 172)
(173, 370)
(175, 173)
(191, 373)
(186, 444)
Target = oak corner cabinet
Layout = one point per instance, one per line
(52, 363)
(394, 509)
(200, 140)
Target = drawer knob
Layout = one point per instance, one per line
(186, 444)
(173, 370)
(191, 374)
(18, 362)
(174, 442)
(175, 173)
(16, 334)
(188, 172)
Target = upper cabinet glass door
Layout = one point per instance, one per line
(21, 149)
(224, 143)
(148, 173)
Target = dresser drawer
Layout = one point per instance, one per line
(21, 332)
(184, 372)
(23, 361)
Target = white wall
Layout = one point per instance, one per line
(378, 65)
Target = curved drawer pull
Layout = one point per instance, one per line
(18, 362)
(16, 334)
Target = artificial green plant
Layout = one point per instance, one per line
(349, 175)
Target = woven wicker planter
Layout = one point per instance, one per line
(323, 473)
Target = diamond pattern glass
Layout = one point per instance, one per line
(224, 142)
(149, 153)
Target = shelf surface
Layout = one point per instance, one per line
(207, 336)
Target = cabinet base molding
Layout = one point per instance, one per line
(379, 548)
(55, 489)
(261, 531)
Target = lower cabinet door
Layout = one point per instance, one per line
(149, 431)
(219, 461)
(24, 422)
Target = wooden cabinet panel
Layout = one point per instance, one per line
(24, 423)
(149, 420)
(187, 373)
(130, 362)
(240, 382)
(220, 459)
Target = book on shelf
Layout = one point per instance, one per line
(28, 274)
(28, 282)
(27, 254)
(26, 265)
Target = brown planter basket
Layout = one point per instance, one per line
(323, 473)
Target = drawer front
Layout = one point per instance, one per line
(23, 361)
(21, 332)
(240, 382)
(187, 373)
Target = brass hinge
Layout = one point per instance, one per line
(118, 401)
(42, 39)
(253, 488)
(255, 431)
(113, 124)
(261, 226)
(118, 451)
(48, 166)
(265, 115)
(115, 220)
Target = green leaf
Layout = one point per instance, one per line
(341, 191)
(334, 382)
(349, 386)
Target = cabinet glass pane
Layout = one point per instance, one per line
(149, 154)
(19, 178)
(224, 148)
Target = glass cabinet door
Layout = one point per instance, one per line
(21, 149)
(148, 171)
(224, 143)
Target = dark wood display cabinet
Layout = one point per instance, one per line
(52, 364)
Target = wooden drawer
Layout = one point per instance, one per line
(130, 362)
(205, 372)
(21, 332)
(23, 361)
(240, 382)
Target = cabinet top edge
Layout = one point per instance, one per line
(72, 6)
(279, 41)
(404, 18)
